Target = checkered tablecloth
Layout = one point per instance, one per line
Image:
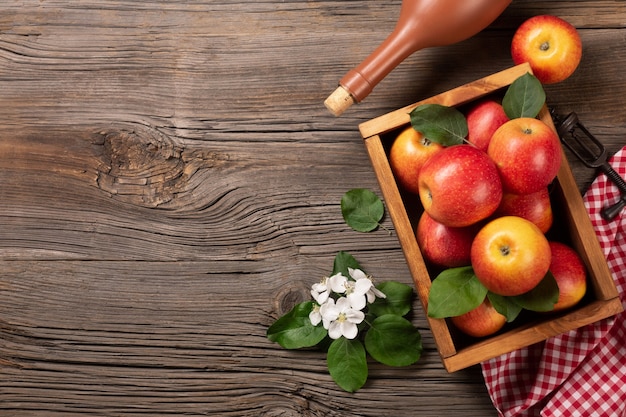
(582, 372)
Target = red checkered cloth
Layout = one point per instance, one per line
(582, 372)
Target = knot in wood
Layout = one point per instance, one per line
(145, 167)
(289, 295)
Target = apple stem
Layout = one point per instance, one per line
(545, 46)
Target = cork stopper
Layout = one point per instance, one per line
(339, 101)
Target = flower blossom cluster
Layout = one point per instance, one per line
(340, 302)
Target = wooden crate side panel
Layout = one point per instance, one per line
(455, 97)
(581, 230)
(406, 236)
(531, 334)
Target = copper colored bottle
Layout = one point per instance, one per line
(422, 24)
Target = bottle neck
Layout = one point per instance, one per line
(361, 80)
(421, 24)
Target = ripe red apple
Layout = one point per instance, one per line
(459, 186)
(408, 153)
(527, 153)
(570, 275)
(443, 245)
(550, 45)
(535, 207)
(510, 255)
(483, 119)
(482, 321)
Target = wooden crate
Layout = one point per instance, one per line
(571, 222)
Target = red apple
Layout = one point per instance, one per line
(510, 255)
(483, 119)
(527, 153)
(459, 186)
(550, 45)
(443, 245)
(408, 153)
(535, 207)
(570, 275)
(482, 321)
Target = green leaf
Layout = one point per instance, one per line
(362, 210)
(442, 124)
(525, 97)
(347, 363)
(294, 330)
(542, 297)
(392, 340)
(455, 291)
(398, 299)
(505, 306)
(343, 260)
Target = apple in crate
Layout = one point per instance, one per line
(535, 207)
(460, 186)
(527, 153)
(409, 151)
(482, 321)
(483, 119)
(570, 275)
(443, 245)
(510, 256)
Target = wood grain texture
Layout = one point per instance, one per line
(170, 184)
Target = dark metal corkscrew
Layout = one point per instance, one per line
(592, 153)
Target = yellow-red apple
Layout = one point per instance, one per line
(510, 255)
(551, 46)
(535, 207)
(443, 245)
(483, 119)
(482, 321)
(570, 274)
(527, 153)
(459, 186)
(408, 153)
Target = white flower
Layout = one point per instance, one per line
(327, 312)
(340, 318)
(353, 290)
(320, 291)
(366, 285)
(338, 283)
(315, 316)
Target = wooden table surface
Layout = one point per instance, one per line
(170, 184)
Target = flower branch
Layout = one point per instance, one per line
(352, 318)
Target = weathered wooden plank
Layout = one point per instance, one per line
(191, 335)
(170, 184)
(223, 65)
(132, 195)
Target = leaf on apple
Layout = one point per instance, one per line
(505, 306)
(442, 124)
(541, 298)
(362, 210)
(525, 97)
(455, 291)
